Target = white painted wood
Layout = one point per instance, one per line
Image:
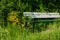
(41, 15)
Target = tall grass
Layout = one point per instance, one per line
(17, 33)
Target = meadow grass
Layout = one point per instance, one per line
(17, 33)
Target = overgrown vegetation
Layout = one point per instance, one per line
(15, 26)
(18, 33)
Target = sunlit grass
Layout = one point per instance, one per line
(17, 33)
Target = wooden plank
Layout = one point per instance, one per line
(41, 15)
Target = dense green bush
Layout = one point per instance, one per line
(7, 6)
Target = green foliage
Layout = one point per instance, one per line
(6, 6)
(27, 30)
(18, 33)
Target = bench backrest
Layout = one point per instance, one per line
(41, 15)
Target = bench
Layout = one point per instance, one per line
(41, 17)
(38, 15)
